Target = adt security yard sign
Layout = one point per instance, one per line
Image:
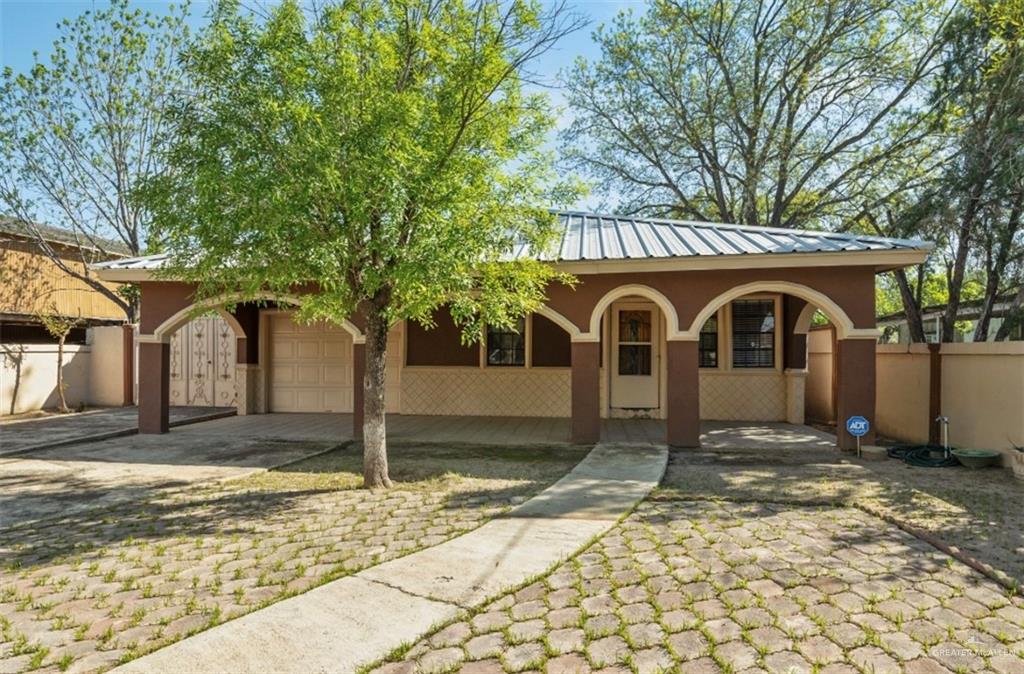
(857, 426)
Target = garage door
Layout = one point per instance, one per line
(310, 367)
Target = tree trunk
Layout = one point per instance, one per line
(911, 308)
(375, 449)
(60, 374)
(1013, 315)
(996, 268)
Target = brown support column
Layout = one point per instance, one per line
(855, 390)
(586, 396)
(358, 389)
(794, 352)
(934, 392)
(154, 387)
(683, 394)
(128, 367)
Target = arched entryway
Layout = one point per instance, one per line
(757, 335)
(253, 320)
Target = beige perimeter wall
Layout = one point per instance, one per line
(818, 392)
(983, 394)
(901, 397)
(28, 376)
(982, 391)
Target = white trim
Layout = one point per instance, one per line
(164, 331)
(882, 260)
(561, 321)
(803, 321)
(844, 325)
(668, 310)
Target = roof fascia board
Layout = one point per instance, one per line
(882, 260)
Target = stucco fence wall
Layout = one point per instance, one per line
(982, 391)
(92, 373)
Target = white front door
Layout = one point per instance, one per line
(635, 332)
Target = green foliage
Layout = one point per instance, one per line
(381, 152)
(77, 132)
(766, 114)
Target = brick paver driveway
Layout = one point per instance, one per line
(97, 587)
(699, 586)
(749, 560)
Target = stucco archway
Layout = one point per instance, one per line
(163, 332)
(633, 289)
(816, 300)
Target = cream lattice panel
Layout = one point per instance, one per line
(737, 396)
(486, 392)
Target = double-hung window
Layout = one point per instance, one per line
(753, 334)
(505, 347)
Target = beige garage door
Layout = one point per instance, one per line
(310, 367)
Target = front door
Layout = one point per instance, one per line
(634, 356)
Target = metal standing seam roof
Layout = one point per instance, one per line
(597, 237)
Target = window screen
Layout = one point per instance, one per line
(753, 333)
(507, 347)
(708, 348)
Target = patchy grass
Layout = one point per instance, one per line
(980, 512)
(185, 560)
(426, 467)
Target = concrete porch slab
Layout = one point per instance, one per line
(359, 619)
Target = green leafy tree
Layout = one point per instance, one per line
(78, 132)
(778, 113)
(383, 154)
(973, 206)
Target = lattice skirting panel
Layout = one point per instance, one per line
(742, 397)
(536, 392)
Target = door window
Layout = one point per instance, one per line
(635, 343)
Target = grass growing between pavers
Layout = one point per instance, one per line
(114, 584)
(979, 512)
(705, 586)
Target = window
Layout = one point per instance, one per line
(708, 347)
(753, 334)
(635, 343)
(507, 348)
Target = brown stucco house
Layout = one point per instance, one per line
(675, 320)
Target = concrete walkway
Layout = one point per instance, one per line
(18, 437)
(361, 618)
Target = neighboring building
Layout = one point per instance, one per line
(895, 329)
(31, 283)
(673, 320)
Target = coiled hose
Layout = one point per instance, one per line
(928, 456)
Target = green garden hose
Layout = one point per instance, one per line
(928, 456)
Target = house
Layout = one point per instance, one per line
(895, 329)
(32, 283)
(674, 320)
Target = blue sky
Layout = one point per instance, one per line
(28, 26)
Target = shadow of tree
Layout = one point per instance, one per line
(76, 517)
(979, 512)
